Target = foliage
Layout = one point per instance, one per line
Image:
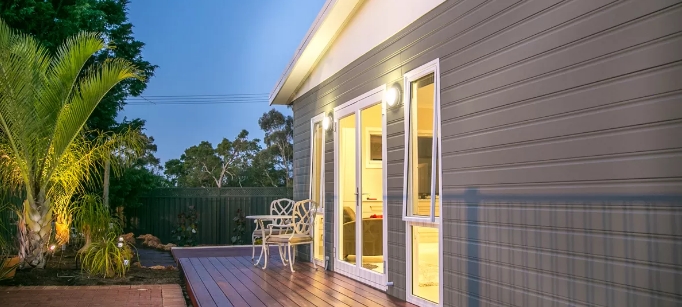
(93, 219)
(52, 22)
(105, 258)
(140, 178)
(8, 248)
(239, 228)
(45, 102)
(241, 162)
(205, 166)
(279, 138)
(186, 231)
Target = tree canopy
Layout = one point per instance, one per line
(51, 22)
(240, 162)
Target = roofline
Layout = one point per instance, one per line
(333, 16)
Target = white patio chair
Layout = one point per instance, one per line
(302, 226)
(283, 207)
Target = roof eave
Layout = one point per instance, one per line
(333, 16)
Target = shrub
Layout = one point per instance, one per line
(185, 233)
(239, 228)
(93, 219)
(104, 257)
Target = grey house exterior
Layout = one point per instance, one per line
(560, 147)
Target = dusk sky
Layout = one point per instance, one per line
(213, 47)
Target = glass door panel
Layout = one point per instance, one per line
(347, 188)
(371, 169)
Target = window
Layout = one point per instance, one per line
(423, 153)
(317, 185)
(421, 201)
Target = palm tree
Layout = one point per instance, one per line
(45, 148)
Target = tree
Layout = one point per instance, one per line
(52, 22)
(205, 166)
(45, 102)
(279, 137)
(142, 176)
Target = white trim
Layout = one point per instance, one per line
(410, 298)
(432, 220)
(313, 121)
(428, 68)
(355, 106)
(333, 17)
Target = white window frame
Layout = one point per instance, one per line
(409, 77)
(320, 210)
(423, 221)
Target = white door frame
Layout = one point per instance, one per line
(320, 210)
(356, 105)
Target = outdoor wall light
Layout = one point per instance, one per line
(393, 95)
(327, 122)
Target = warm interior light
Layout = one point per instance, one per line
(392, 96)
(52, 247)
(326, 122)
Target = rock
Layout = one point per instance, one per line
(161, 267)
(129, 238)
(150, 240)
(167, 247)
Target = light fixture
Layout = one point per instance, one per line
(393, 95)
(327, 122)
(52, 247)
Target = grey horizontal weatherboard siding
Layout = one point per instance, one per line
(544, 96)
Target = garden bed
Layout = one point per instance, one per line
(62, 269)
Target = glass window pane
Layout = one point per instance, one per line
(316, 160)
(422, 102)
(316, 190)
(319, 237)
(425, 266)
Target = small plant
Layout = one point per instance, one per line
(108, 256)
(239, 228)
(93, 220)
(185, 234)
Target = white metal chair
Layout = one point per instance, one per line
(283, 207)
(302, 225)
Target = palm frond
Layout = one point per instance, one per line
(89, 92)
(62, 76)
(23, 63)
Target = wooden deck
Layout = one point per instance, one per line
(232, 280)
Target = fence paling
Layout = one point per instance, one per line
(216, 209)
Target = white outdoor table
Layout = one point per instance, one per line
(259, 219)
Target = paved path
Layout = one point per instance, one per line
(103, 296)
(151, 257)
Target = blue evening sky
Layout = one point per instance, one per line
(214, 47)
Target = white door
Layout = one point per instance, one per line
(360, 181)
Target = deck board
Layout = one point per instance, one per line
(232, 280)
